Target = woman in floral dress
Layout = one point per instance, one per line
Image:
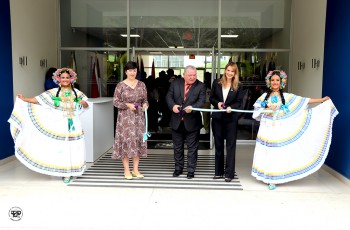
(292, 141)
(130, 97)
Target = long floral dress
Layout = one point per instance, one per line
(291, 144)
(46, 141)
(130, 125)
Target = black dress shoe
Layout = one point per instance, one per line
(218, 177)
(190, 175)
(177, 173)
(228, 179)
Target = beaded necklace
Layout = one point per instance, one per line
(67, 103)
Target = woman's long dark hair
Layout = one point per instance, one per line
(269, 91)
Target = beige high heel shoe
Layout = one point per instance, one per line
(138, 176)
(128, 177)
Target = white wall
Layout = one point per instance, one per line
(308, 32)
(34, 26)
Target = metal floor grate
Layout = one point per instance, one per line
(157, 169)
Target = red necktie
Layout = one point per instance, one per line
(187, 88)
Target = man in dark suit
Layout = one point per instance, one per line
(186, 93)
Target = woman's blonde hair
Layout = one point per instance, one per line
(235, 82)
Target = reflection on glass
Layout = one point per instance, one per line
(191, 24)
(256, 24)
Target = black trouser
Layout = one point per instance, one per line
(192, 139)
(225, 129)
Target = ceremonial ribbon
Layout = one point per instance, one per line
(146, 134)
(229, 109)
(275, 113)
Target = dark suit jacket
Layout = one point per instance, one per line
(234, 100)
(195, 98)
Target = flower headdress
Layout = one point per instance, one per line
(57, 75)
(282, 75)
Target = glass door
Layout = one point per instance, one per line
(253, 67)
(160, 68)
(205, 34)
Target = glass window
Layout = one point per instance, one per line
(174, 34)
(92, 23)
(255, 24)
(184, 23)
(166, 23)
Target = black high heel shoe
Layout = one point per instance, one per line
(218, 177)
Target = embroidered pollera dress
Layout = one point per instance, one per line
(46, 140)
(294, 143)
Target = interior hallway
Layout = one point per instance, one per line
(320, 201)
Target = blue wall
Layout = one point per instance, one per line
(336, 81)
(6, 76)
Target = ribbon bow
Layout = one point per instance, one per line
(285, 108)
(145, 137)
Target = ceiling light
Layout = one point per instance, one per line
(155, 52)
(131, 35)
(178, 47)
(229, 35)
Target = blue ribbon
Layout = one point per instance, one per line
(285, 108)
(146, 134)
(274, 99)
